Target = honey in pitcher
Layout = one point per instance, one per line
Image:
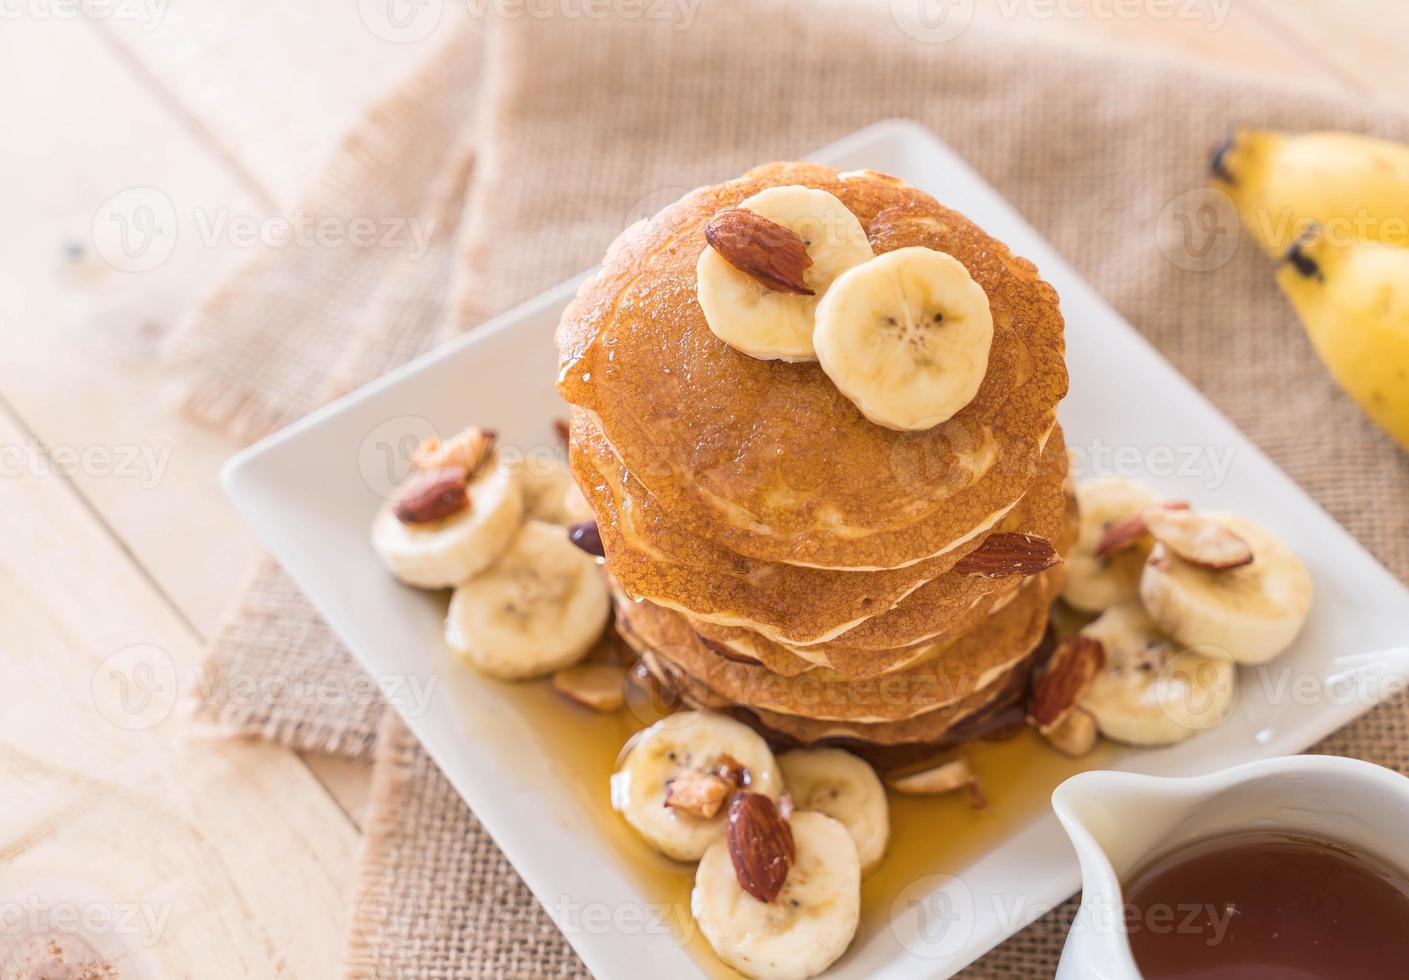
(1268, 906)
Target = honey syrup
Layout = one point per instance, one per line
(930, 835)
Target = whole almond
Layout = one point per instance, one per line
(1009, 553)
(764, 250)
(760, 845)
(433, 496)
(1073, 666)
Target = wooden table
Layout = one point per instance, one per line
(219, 859)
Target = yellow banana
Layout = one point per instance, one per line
(1354, 187)
(1353, 299)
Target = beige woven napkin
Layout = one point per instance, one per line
(583, 126)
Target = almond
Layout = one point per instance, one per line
(1009, 553)
(943, 778)
(1071, 669)
(588, 538)
(433, 496)
(468, 450)
(601, 687)
(1075, 735)
(1197, 539)
(760, 845)
(764, 250)
(733, 771)
(1124, 534)
(699, 794)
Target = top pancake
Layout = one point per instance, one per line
(768, 458)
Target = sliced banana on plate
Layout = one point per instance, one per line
(550, 493)
(906, 337)
(806, 927)
(539, 608)
(1151, 690)
(436, 536)
(1201, 589)
(1097, 581)
(676, 779)
(770, 321)
(845, 788)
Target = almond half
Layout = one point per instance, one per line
(601, 687)
(1009, 553)
(467, 450)
(946, 777)
(760, 845)
(700, 794)
(763, 250)
(1198, 539)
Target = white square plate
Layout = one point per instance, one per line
(310, 492)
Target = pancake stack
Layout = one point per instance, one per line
(775, 554)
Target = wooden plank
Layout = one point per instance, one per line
(1365, 42)
(276, 85)
(1222, 31)
(82, 316)
(193, 858)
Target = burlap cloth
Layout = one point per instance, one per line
(578, 126)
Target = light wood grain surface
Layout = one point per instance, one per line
(214, 859)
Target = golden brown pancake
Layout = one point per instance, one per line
(651, 558)
(768, 459)
(934, 729)
(966, 664)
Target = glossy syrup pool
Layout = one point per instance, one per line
(937, 835)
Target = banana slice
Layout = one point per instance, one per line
(550, 493)
(539, 608)
(906, 337)
(845, 788)
(1253, 611)
(767, 323)
(443, 553)
(682, 753)
(802, 931)
(1096, 583)
(1152, 692)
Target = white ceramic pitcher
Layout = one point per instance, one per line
(1117, 821)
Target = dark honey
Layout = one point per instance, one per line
(1268, 906)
